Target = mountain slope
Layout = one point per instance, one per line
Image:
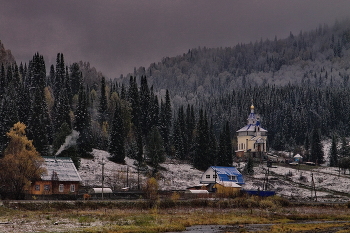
(316, 58)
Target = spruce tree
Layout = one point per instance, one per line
(155, 149)
(75, 78)
(316, 154)
(225, 147)
(39, 123)
(249, 167)
(165, 121)
(202, 158)
(145, 106)
(179, 136)
(133, 97)
(333, 158)
(83, 124)
(116, 137)
(154, 109)
(102, 110)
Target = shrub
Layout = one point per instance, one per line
(151, 188)
(267, 204)
(279, 201)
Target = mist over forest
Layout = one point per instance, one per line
(189, 106)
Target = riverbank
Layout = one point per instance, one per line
(156, 216)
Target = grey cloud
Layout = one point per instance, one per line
(115, 36)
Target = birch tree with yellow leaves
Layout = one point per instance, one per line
(20, 165)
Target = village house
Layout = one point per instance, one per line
(61, 177)
(216, 174)
(222, 179)
(251, 139)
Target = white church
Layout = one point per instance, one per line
(251, 139)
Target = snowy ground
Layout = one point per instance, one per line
(287, 181)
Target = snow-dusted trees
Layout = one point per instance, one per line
(166, 121)
(155, 149)
(39, 122)
(102, 108)
(333, 156)
(316, 154)
(83, 123)
(117, 137)
(224, 157)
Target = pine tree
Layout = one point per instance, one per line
(155, 149)
(316, 155)
(212, 147)
(165, 121)
(225, 147)
(116, 138)
(59, 74)
(83, 124)
(39, 122)
(145, 103)
(190, 127)
(75, 78)
(249, 167)
(154, 109)
(179, 138)
(333, 158)
(202, 158)
(102, 110)
(133, 97)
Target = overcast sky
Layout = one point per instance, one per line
(117, 35)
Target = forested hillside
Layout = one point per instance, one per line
(298, 84)
(186, 107)
(317, 58)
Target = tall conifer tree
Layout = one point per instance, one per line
(116, 137)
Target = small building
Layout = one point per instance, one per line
(100, 191)
(228, 188)
(215, 174)
(61, 177)
(298, 158)
(251, 139)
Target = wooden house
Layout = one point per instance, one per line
(61, 177)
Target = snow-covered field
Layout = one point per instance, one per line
(287, 181)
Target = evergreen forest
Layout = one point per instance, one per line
(190, 106)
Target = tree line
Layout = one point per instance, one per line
(126, 120)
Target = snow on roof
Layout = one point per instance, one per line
(258, 139)
(61, 168)
(298, 156)
(99, 190)
(250, 128)
(198, 191)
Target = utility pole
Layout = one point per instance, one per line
(127, 176)
(313, 186)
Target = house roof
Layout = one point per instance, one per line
(61, 169)
(224, 173)
(250, 128)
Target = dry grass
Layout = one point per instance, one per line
(107, 218)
